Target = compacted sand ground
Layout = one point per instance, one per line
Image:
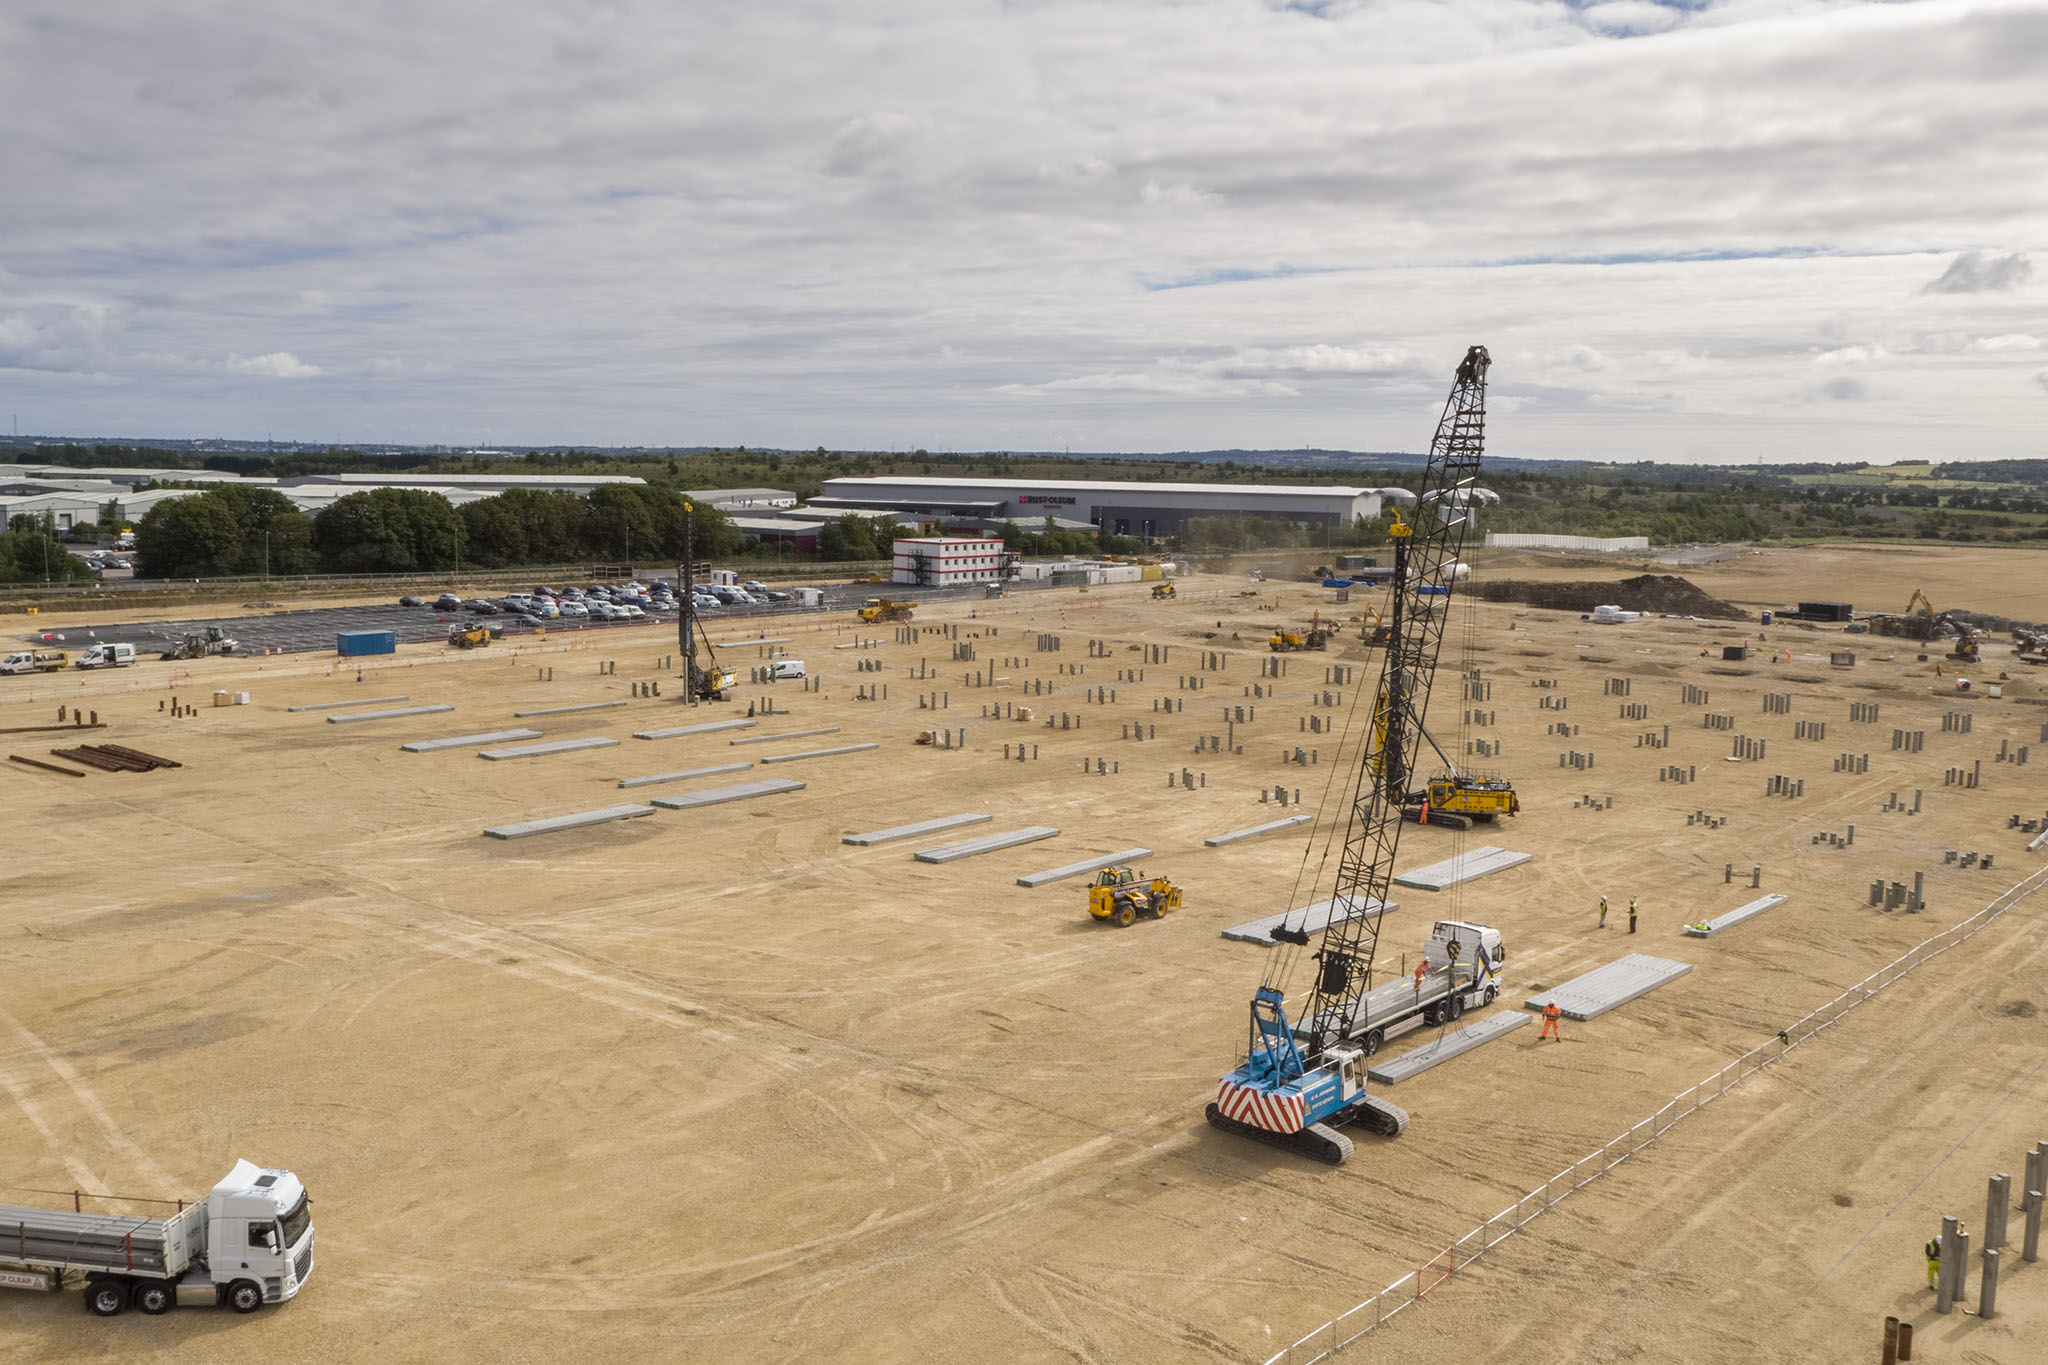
(713, 1085)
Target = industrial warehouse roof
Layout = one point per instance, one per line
(1105, 485)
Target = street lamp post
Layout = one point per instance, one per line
(266, 556)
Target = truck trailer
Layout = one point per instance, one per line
(1461, 969)
(248, 1243)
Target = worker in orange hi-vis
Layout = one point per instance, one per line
(1421, 970)
(1551, 1014)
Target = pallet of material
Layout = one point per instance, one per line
(1289, 823)
(718, 796)
(676, 731)
(1468, 866)
(821, 753)
(1310, 918)
(1054, 874)
(1394, 1070)
(653, 779)
(1609, 987)
(557, 746)
(352, 701)
(428, 746)
(389, 715)
(579, 820)
(565, 710)
(1709, 928)
(894, 832)
(988, 843)
(786, 734)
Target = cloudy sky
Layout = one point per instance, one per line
(1719, 231)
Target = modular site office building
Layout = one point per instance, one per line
(1114, 508)
(943, 561)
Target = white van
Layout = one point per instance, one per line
(786, 668)
(106, 656)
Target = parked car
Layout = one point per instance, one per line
(527, 618)
(412, 602)
(481, 606)
(703, 601)
(777, 596)
(573, 608)
(633, 612)
(546, 609)
(755, 585)
(447, 601)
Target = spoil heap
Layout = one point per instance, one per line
(1655, 593)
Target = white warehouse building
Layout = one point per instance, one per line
(1114, 507)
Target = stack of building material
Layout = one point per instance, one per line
(1479, 862)
(1606, 988)
(1309, 918)
(115, 758)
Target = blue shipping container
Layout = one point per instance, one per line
(350, 643)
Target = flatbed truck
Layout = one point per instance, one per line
(1452, 982)
(248, 1243)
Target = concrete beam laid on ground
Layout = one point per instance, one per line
(750, 640)
(1468, 866)
(389, 715)
(821, 753)
(1310, 918)
(894, 832)
(559, 746)
(560, 822)
(565, 710)
(1054, 874)
(427, 746)
(786, 734)
(1289, 823)
(1708, 928)
(1609, 987)
(352, 701)
(678, 731)
(717, 796)
(1394, 1070)
(987, 843)
(685, 773)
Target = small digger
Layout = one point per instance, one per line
(1121, 894)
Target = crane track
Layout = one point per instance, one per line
(1317, 1142)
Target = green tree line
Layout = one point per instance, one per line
(233, 531)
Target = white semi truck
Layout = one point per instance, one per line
(250, 1242)
(1461, 969)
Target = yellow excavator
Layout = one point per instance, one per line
(884, 609)
(1161, 590)
(1121, 895)
(1317, 636)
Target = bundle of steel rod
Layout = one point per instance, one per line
(115, 758)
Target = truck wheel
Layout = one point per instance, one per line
(106, 1298)
(1373, 1039)
(245, 1296)
(155, 1299)
(1491, 992)
(1430, 1016)
(1455, 1006)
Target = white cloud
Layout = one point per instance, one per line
(2009, 341)
(275, 365)
(2041, 378)
(874, 224)
(1841, 389)
(1974, 273)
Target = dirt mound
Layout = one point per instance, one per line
(1645, 592)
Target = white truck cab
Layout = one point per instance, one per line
(1471, 939)
(259, 1228)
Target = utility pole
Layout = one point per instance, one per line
(266, 555)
